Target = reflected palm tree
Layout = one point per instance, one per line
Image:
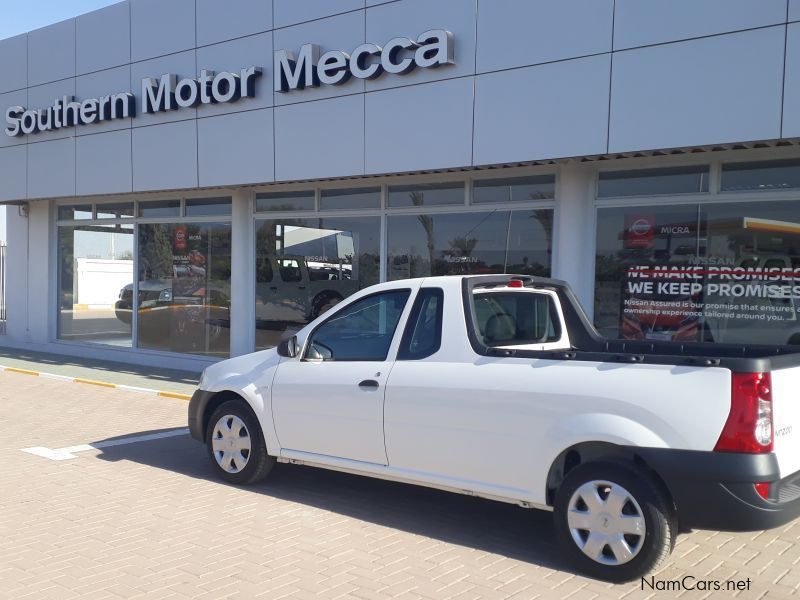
(417, 199)
(462, 246)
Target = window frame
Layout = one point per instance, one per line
(404, 352)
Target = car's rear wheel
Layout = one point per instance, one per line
(236, 444)
(613, 521)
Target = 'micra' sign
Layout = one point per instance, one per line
(309, 68)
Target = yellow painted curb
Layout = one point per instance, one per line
(93, 382)
(175, 395)
(23, 371)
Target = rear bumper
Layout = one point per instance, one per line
(197, 408)
(714, 490)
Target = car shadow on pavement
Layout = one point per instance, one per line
(494, 527)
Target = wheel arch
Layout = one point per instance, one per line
(222, 396)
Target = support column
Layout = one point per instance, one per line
(242, 276)
(574, 235)
(17, 270)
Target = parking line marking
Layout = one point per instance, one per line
(22, 371)
(93, 382)
(71, 452)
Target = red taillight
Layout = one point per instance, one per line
(515, 283)
(762, 489)
(749, 425)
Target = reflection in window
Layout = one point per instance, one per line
(95, 283)
(304, 267)
(185, 288)
(350, 198)
(117, 210)
(650, 182)
(75, 212)
(160, 208)
(768, 175)
(431, 194)
(710, 273)
(518, 189)
(208, 207)
(285, 201)
(517, 242)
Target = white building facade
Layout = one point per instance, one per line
(194, 179)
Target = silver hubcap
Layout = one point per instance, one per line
(231, 443)
(606, 522)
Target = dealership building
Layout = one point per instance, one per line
(188, 180)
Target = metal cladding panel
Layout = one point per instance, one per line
(409, 18)
(646, 22)
(565, 29)
(233, 56)
(159, 27)
(16, 98)
(342, 32)
(547, 111)
(791, 94)
(182, 64)
(42, 96)
(14, 63)
(165, 156)
(419, 127)
(290, 12)
(236, 148)
(102, 83)
(51, 53)
(51, 168)
(103, 38)
(794, 10)
(220, 21)
(705, 91)
(103, 163)
(13, 172)
(320, 139)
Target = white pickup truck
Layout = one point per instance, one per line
(499, 387)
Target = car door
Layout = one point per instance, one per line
(329, 400)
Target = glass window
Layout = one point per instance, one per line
(306, 266)
(423, 334)
(362, 331)
(75, 212)
(208, 207)
(431, 194)
(95, 283)
(517, 242)
(160, 208)
(117, 210)
(516, 318)
(712, 273)
(518, 189)
(650, 182)
(771, 175)
(350, 198)
(285, 201)
(185, 288)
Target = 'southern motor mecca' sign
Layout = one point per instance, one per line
(308, 68)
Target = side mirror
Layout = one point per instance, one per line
(289, 348)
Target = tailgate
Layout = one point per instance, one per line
(786, 418)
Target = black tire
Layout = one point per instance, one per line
(650, 549)
(323, 303)
(258, 462)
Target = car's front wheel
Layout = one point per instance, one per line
(236, 444)
(613, 521)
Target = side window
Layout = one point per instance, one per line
(423, 334)
(290, 271)
(361, 331)
(516, 318)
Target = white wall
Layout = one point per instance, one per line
(99, 281)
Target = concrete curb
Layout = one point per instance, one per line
(119, 386)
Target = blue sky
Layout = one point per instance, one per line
(20, 16)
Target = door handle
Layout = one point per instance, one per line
(368, 383)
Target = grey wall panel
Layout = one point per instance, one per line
(42, 96)
(546, 111)
(13, 173)
(236, 148)
(707, 91)
(165, 156)
(103, 163)
(103, 83)
(17, 98)
(563, 29)
(419, 127)
(103, 38)
(409, 18)
(645, 22)
(51, 53)
(219, 21)
(320, 139)
(14, 63)
(159, 27)
(791, 98)
(794, 10)
(343, 32)
(290, 12)
(233, 56)
(51, 169)
(182, 64)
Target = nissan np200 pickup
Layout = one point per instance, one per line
(498, 386)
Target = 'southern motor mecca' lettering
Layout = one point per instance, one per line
(309, 68)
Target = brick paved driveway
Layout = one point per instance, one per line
(146, 520)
